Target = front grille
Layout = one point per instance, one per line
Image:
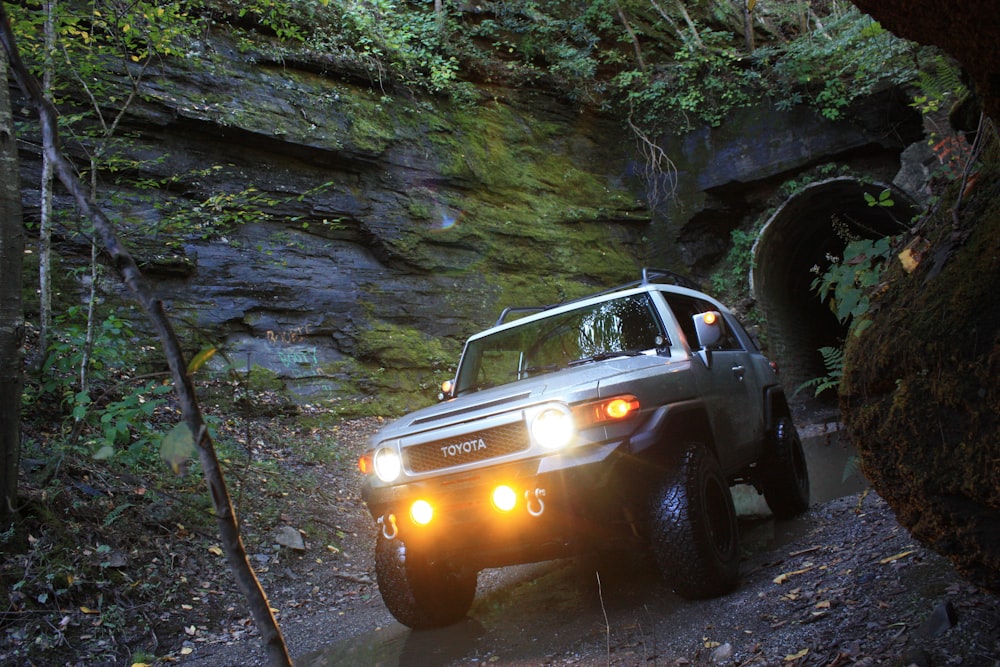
(469, 448)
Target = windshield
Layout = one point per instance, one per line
(623, 326)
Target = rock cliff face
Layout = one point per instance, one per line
(919, 394)
(346, 238)
(968, 31)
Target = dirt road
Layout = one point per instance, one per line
(841, 585)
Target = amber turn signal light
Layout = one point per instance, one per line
(616, 408)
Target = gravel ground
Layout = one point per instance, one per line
(842, 585)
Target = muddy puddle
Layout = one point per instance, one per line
(524, 613)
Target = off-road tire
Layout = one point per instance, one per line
(420, 593)
(693, 532)
(785, 476)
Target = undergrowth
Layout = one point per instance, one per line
(116, 558)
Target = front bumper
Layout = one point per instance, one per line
(564, 503)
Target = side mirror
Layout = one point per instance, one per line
(708, 327)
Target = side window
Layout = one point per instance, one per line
(729, 339)
(686, 307)
(754, 343)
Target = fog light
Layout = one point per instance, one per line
(421, 512)
(504, 498)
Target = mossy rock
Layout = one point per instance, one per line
(920, 396)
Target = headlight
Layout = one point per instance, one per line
(553, 428)
(387, 464)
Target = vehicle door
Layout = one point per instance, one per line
(727, 383)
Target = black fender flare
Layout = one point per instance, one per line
(671, 427)
(775, 406)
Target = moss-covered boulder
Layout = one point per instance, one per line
(920, 396)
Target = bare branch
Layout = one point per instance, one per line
(658, 167)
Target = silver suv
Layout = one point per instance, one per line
(619, 419)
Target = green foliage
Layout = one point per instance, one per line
(702, 83)
(285, 19)
(884, 199)
(847, 283)
(849, 58)
(113, 417)
(730, 282)
(833, 359)
(116, 513)
(113, 343)
(88, 33)
(182, 218)
(177, 446)
(940, 84)
(125, 427)
(393, 40)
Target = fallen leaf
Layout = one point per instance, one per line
(177, 446)
(187, 650)
(825, 604)
(901, 554)
(215, 550)
(785, 576)
(88, 610)
(199, 359)
(803, 551)
(796, 656)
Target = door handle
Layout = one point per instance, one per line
(739, 372)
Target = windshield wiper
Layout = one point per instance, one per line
(479, 386)
(537, 370)
(607, 354)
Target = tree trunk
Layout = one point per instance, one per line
(45, 206)
(690, 24)
(632, 35)
(748, 24)
(124, 264)
(11, 313)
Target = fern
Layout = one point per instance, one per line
(939, 82)
(851, 466)
(833, 360)
(116, 513)
(942, 79)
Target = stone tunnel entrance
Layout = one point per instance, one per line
(797, 237)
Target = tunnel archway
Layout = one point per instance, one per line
(797, 237)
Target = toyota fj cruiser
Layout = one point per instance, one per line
(619, 418)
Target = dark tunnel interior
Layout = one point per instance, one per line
(798, 237)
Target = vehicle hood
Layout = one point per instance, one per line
(569, 385)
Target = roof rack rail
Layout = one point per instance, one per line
(649, 276)
(519, 309)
